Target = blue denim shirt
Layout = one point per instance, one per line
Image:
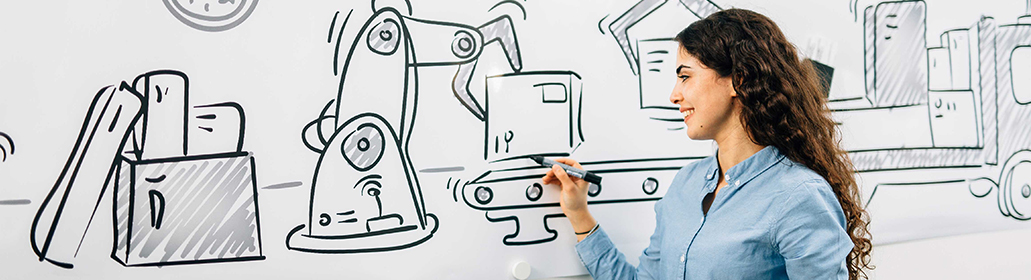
(776, 219)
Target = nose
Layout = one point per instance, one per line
(675, 97)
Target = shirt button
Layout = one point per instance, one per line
(738, 183)
(683, 257)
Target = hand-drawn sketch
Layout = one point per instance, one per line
(652, 59)
(115, 109)
(622, 24)
(959, 98)
(186, 210)
(15, 202)
(355, 218)
(517, 194)
(211, 15)
(511, 190)
(8, 148)
(172, 204)
(544, 95)
(367, 143)
(379, 213)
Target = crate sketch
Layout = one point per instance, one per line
(177, 199)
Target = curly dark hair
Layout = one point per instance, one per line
(783, 106)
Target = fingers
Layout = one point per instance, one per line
(549, 178)
(570, 162)
(562, 176)
(553, 177)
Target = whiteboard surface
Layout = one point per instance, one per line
(275, 113)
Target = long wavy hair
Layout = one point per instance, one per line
(784, 106)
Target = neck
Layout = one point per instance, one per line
(734, 147)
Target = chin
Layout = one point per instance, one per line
(691, 134)
(694, 134)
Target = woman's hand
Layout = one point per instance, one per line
(573, 196)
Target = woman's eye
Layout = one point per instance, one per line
(683, 77)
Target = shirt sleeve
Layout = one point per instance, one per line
(811, 233)
(604, 261)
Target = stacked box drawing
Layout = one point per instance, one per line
(539, 114)
(185, 210)
(895, 53)
(954, 105)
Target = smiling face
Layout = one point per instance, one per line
(706, 100)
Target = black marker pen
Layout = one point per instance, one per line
(572, 171)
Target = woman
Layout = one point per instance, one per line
(777, 200)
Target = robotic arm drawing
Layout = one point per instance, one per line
(357, 202)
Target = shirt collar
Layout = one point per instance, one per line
(744, 171)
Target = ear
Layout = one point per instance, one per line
(314, 133)
(731, 84)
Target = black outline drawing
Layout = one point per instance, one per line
(163, 110)
(10, 143)
(498, 30)
(389, 39)
(964, 87)
(501, 193)
(622, 24)
(643, 68)
(518, 95)
(110, 130)
(511, 2)
(212, 23)
(200, 209)
(222, 229)
(353, 233)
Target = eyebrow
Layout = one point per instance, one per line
(682, 67)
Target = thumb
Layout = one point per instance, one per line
(562, 176)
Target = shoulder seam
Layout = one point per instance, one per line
(783, 208)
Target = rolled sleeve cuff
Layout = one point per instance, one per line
(594, 247)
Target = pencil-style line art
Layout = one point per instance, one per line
(111, 115)
(211, 16)
(172, 204)
(365, 140)
(550, 95)
(510, 2)
(369, 216)
(442, 169)
(186, 210)
(620, 26)
(15, 202)
(652, 59)
(498, 30)
(286, 185)
(9, 146)
(960, 94)
(518, 195)
(512, 239)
